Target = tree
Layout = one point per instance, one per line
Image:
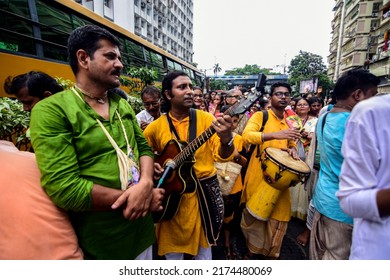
(217, 69)
(306, 66)
(250, 70)
(14, 122)
(139, 77)
(218, 84)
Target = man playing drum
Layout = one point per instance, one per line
(265, 237)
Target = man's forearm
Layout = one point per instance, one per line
(103, 197)
(146, 168)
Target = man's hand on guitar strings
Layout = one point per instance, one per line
(158, 171)
(158, 196)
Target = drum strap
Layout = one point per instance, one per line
(248, 153)
(265, 119)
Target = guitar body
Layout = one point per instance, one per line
(182, 180)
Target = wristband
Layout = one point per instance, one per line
(230, 143)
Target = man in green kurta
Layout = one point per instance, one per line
(80, 170)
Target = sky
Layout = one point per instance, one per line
(263, 32)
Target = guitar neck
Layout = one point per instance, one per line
(238, 108)
(191, 148)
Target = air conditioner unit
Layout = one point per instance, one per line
(143, 4)
(375, 57)
(375, 14)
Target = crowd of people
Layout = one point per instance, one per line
(96, 165)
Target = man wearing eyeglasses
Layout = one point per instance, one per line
(232, 96)
(151, 98)
(264, 238)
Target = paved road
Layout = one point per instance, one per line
(290, 250)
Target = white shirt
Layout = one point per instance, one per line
(144, 116)
(365, 170)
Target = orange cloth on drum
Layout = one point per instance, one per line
(184, 232)
(32, 227)
(254, 174)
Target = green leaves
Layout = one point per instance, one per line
(249, 70)
(135, 80)
(307, 65)
(66, 84)
(139, 77)
(217, 69)
(14, 123)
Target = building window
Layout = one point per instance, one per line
(108, 3)
(375, 7)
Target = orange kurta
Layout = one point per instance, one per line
(32, 227)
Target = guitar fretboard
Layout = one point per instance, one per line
(240, 107)
(193, 146)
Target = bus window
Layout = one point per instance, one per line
(154, 59)
(16, 7)
(134, 49)
(130, 61)
(189, 72)
(16, 28)
(170, 64)
(55, 28)
(178, 66)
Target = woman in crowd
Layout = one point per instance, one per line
(315, 106)
(216, 104)
(198, 97)
(306, 123)
(204, 106)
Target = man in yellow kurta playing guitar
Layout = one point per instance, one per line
(189, 177)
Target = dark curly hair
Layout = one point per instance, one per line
(36, 82)
(352, 80)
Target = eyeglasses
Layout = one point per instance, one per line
(302, 105)
(198, 95)
(279, 94)
(234, 96)
(152, 104)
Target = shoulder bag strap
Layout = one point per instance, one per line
(122, 158)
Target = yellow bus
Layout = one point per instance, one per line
(34, 34)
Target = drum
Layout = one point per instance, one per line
(281, 171)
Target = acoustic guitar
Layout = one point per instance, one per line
(177, 159)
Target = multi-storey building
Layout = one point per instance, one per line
(167, 24)
(361, 30)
